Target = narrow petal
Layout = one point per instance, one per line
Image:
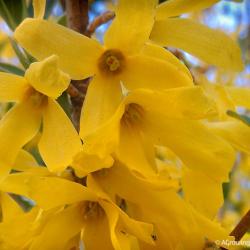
(147, 72)
(44, 38)
(212, 46)
(9, 208)
(12, 87)
(59, 142)
(67, 223)
(17, 128)
(235, 132)
(195, 145)
(47, 78)
(24, 160)
(203, 193)
(132, 152)
(164, 54)
(173, 8)
(39, 8)
(177, 103)
(103, 98)
(132, 25)
(240, 96)
(47, 192)
(97, 228)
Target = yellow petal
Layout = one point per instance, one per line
(235, 132)
(44, 38)
(10, 209)
(147, 72)
(85, 163)
(59, 142)
(66, 224)
(17, 237)
(195, 145)
(240, 96)
(132, 151)
(163, 208)
(47, 78)
(178, 103)
(97, 228)
(102, 99)
(163, 54)
(24, 160)
(212, 46)
(173, 8)
(204, 193)
(39, 8)
(47, 192)
(17, 128)
(12, 87)
(132, 25)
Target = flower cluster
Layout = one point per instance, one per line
(145, 171)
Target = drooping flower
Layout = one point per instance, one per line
(35, 94)
(177, 225)
(228, 99)
(170, 118)
(125, 56)
(73, 209)
(212, 46)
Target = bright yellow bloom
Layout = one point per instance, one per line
(124, 58)
(87, 209)
(176, 224)
(170, 118)
(36, 93)
(212, 46)
(232, 130)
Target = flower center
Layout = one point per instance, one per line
(111, 62)
(133, 115)
(93, 210)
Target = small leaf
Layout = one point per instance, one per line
(20, 54)
(9, 68)
(13, 12)
(243, 118)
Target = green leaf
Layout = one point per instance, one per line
(243, 118)
(20, 54)
(9, 68)
(13, 12)
(63, 100)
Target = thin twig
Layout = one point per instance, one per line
(242, 227)
(98, 21)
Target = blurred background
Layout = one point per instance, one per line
(232, 17)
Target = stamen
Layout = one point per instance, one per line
(133, 115)
(111, 62)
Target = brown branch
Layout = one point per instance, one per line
(98, 21)
(77, 15)
(77, 19)
(242, 227)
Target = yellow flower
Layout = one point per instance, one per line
(124, 58)
(36, 93)
(169, 118)
(177, 225)
(229, 98)
(212, 46)
(87, 209)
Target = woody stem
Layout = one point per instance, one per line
(77, 20)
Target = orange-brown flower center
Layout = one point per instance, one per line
(111, 62)
(133, 115)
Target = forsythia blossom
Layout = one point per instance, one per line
(145, 171)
